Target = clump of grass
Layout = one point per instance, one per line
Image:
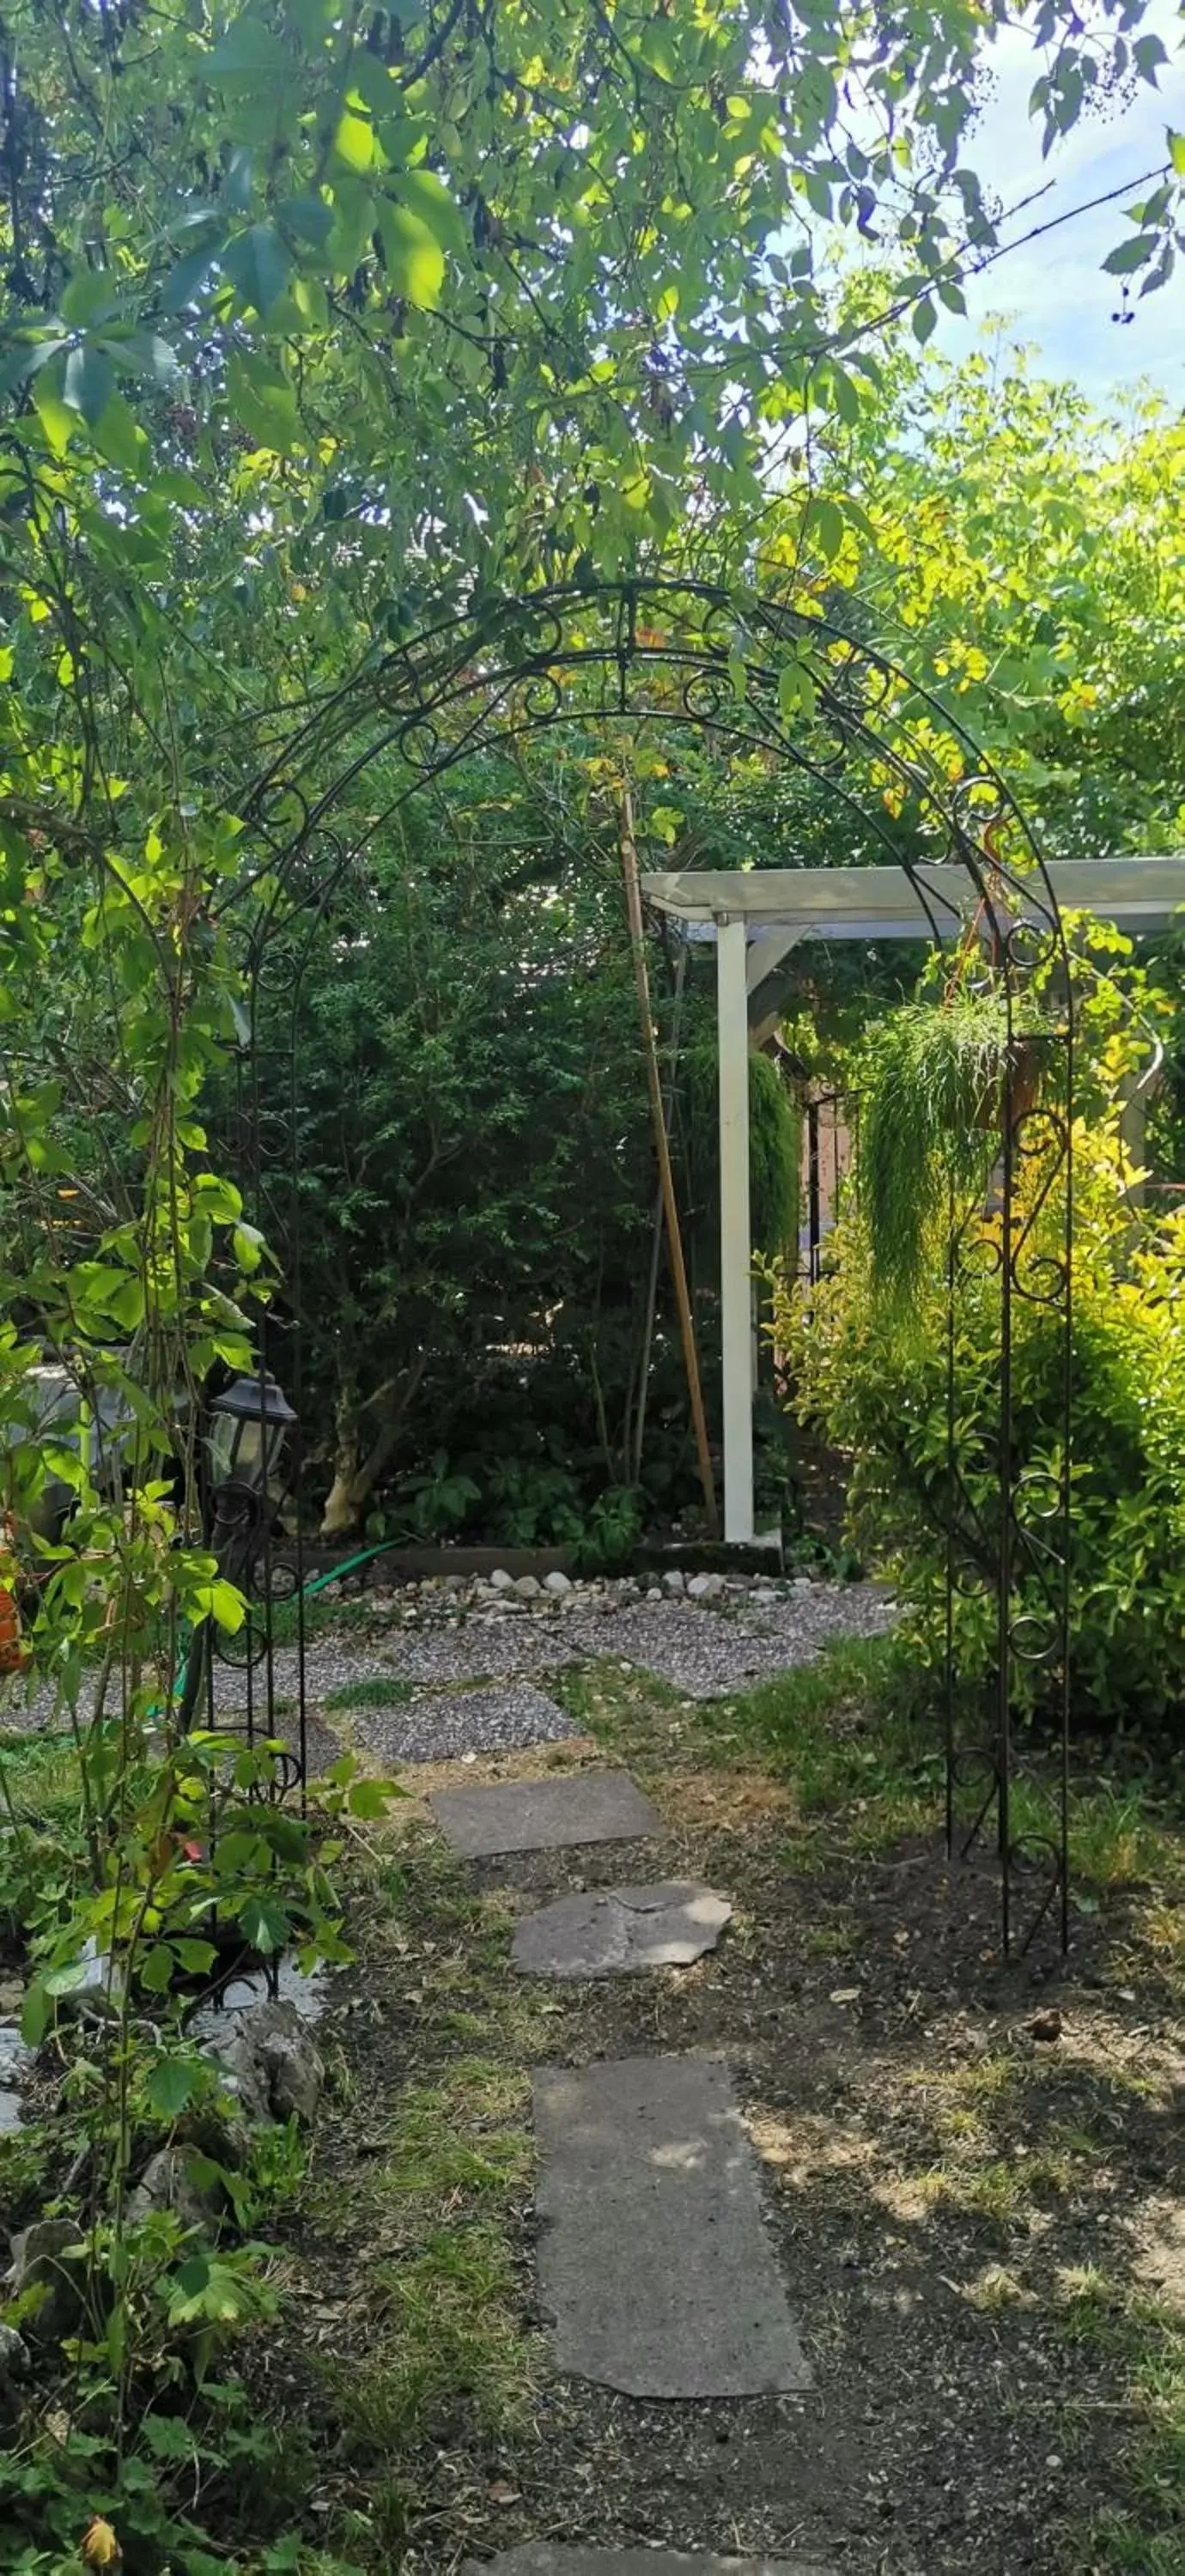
(850, 1734)
(1001, 2190)
(25, 2167)
(1148, 2339)
(452, 2357)
(995, 2289)
(381, 1690)
(450, 2139)
(458, 2355)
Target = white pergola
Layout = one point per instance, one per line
(755, 917)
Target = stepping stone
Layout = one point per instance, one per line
(439, 1725)
(614, 1931)
(653, 2258)
(545, 2558)
(545, 1815)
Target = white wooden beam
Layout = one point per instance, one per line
(736, 1249)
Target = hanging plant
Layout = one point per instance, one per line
(936, 1082)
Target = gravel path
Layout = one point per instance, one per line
(735, 1635)
(704, 1655)
(442, 1726)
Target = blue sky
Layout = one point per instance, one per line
(1051, 292)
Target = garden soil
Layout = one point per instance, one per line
(947, 2150)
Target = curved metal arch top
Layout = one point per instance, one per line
(754, 673)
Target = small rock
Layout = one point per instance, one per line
(1047, 2027)
(14, 2357)
(98, 1988)
(557, 1583)
(12, 1996)
(37, 2263)
(528, 1588)
(705, 1587)
(674, 1582)
(273, 2064)
(501, 1581)
(167, 2183)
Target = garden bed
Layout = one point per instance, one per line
(972, 2174)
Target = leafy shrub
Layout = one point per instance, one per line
(873, 1380)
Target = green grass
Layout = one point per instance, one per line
(456, 2355)
(1147, 2340)
(41, 1777)
(449, 2359)
(381, 1691)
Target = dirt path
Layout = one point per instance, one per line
(973, 2183)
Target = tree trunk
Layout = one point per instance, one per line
(348, 1493)
(356, 1474)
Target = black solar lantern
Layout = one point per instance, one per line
(250, 1424)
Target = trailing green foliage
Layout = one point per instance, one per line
(775, 1142)
(931, 1089)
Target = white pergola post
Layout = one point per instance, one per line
(736, 1250)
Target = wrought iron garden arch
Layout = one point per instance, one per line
(786, 683)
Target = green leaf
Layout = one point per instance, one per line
(168, 2437)
(309, 218)
(173, 484)
(36, 2013)
(221, 1602)
(90, 293)
(59, 425)
(89, 383)
(827, 520)
(118, 435)
(1129, 255)
(195, 1956)
(415, 260)
(187, 279)
(1148, 53)
(1176, 144)
(157, 1969)
(355, 142)
(28, 357)
(171, 2086)
(249, 56)
(846, 396)
(265, 1924)
(258, 265)
(368, 1798)
(265, 404)
(923, 319)
(427, 197)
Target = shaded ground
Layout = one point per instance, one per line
(974, 2178)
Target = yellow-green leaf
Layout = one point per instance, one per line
(415, 260)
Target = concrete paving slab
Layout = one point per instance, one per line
(620, 1931)
(438, 1726)
(545, 1815)
(546, 2558)
(653, 2259)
